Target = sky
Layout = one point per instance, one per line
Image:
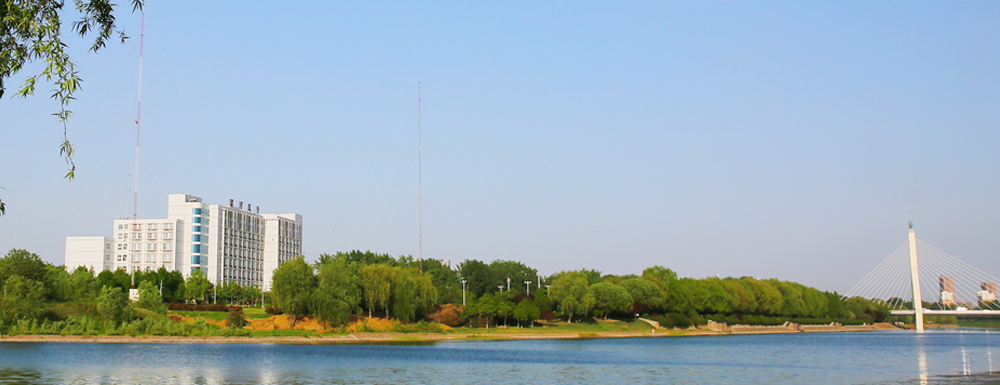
(792, 140)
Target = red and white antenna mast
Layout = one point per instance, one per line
(138, 118)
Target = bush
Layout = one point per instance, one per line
(273, 310)
(235, 318)
(449, 314)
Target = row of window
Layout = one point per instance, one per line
(136, 258)
(149, 226)
(151, 246)
(149, 235)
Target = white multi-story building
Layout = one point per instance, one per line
(94, 253)
(229, 243)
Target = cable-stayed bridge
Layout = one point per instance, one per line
(917, 272)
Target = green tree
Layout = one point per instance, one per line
(81, 284)
(518, 273)
(24, 263)
(661, 276)
(113, 305)
(196, 285)
(571, 292)
(337, 292)
(644, 292)
(478, 276)
(22, 298)
(609, 298)
(376, 284)
(149, 298)
(31, 30)
(526, 311)
(292, 285)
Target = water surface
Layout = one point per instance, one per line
(952, 357)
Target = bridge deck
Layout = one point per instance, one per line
(966, 313)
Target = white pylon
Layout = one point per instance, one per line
(918, 304)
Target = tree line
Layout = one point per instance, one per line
(340, 286)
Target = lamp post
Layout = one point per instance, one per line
(539, 276)
(463, 292)
(527, 287)
(500, 287)
(508, 283)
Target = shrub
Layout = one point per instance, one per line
(449, 314)
(273, 310)
(235, 318)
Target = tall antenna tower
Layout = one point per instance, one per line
(420, 182)
(138, 118)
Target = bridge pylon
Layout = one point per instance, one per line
(918, 304)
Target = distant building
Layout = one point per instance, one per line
(229, 243)
(947, 285)
(988, 292)
(94, 253)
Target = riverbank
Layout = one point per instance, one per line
(375, 338)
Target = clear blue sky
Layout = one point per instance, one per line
(767, 139)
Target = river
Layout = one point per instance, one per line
(963, 356)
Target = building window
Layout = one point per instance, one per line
(195, 259)
(195, 248)
(122, 236)
(196, 229)
(151, 226)
(136, 235)
(135, 257)
(150, 257)
(196, 211)
(168, 246)
(168, 257)
(196, 220)
(168, 226)
(136, 246)
(195, 238)
(151, 235)
(168, 235)
(150, 247)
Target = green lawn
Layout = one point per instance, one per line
(563, 327)
(220, 315)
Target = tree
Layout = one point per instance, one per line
(149, 298)
(112, 305)
(376, 284)
(235, 318)
(661, 276)
(526, 311)
(196, 285)
(609, 297)
(22, 298)
(81, 284)
(24, 263)
(570, 291)
(478, 276)
(337, 292)
(644, 292)
(31, 30)
(292, 284)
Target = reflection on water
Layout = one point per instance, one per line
(833, 358)
(922, 365)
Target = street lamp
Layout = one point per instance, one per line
(508, 283)
(527, 287)
(500, 287)
(463, 292)
(539, 276)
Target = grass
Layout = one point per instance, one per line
(590, 328)
(249, 313)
